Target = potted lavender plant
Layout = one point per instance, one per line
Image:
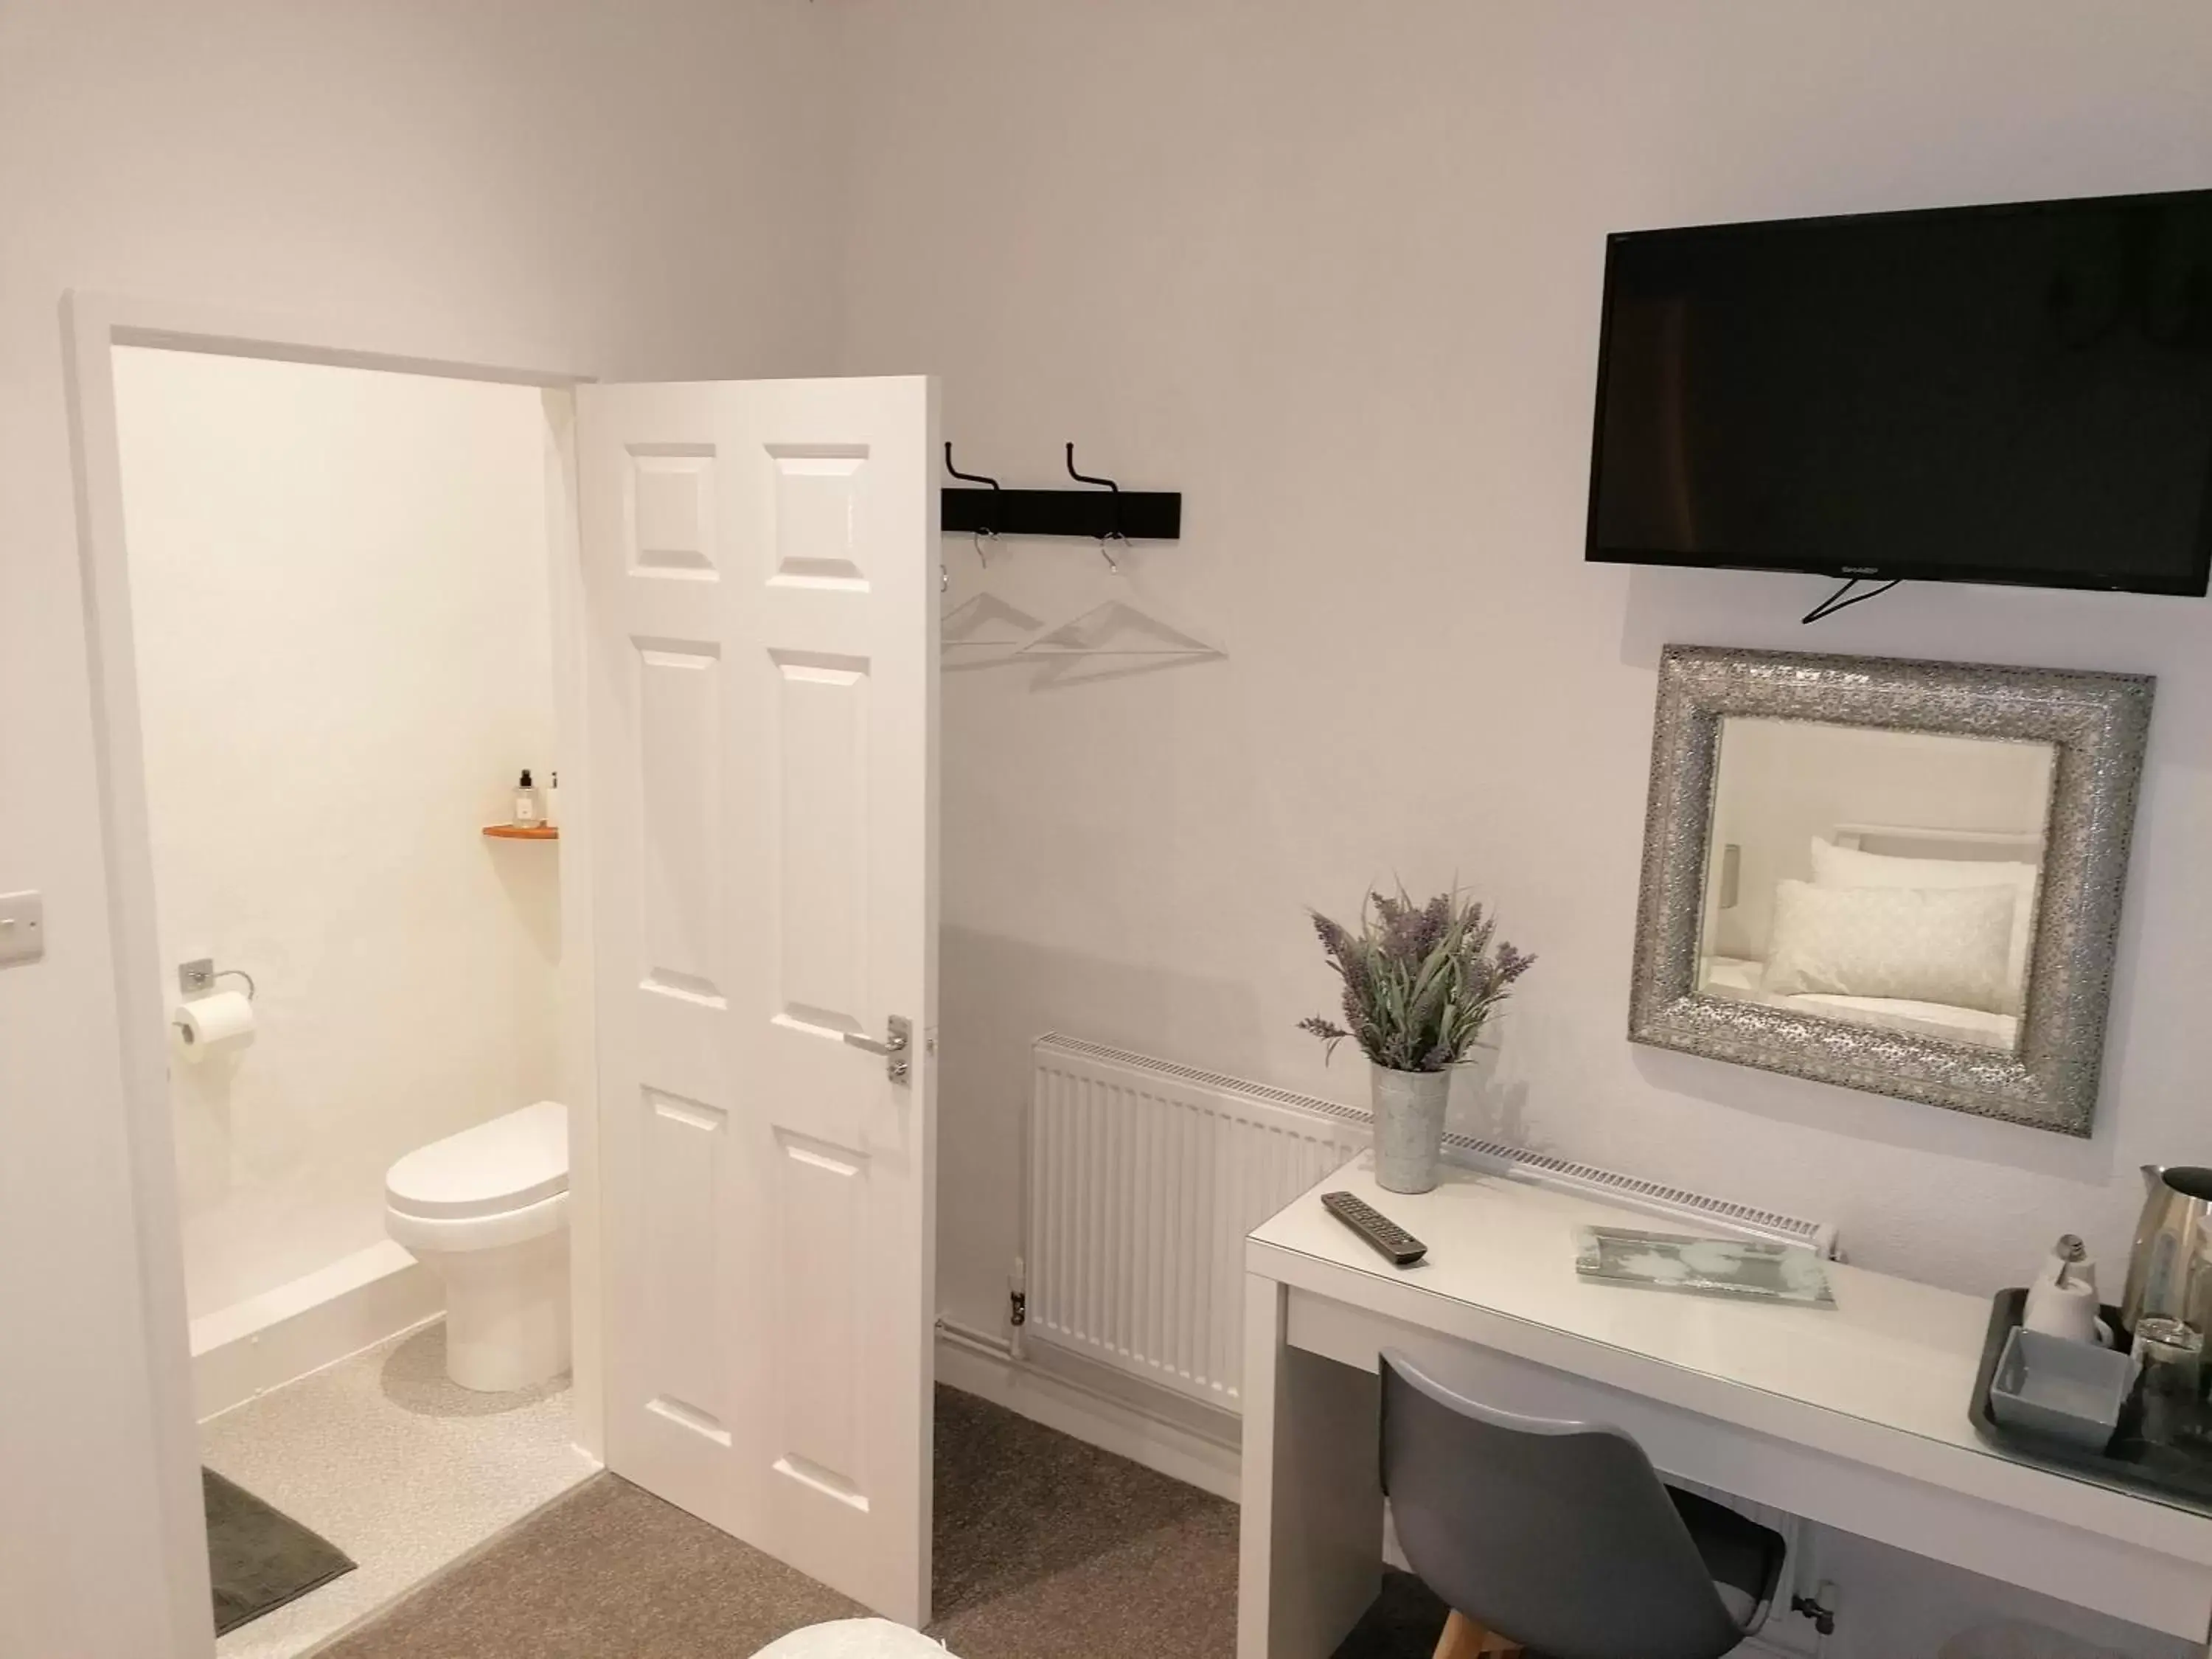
(1420, 982)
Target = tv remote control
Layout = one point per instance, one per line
(1378, 1229)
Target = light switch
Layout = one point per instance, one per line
(23, 927)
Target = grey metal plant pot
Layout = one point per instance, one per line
(1409, 1127)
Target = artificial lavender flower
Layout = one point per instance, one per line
(1420, 980)
(1333, 939)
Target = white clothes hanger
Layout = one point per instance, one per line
(1114, 625)
(986, 622)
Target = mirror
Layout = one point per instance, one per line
(1900, 877)
(1875, 877)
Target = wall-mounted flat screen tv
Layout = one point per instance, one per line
(2020, 393)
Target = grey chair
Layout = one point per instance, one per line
(1560, 1537)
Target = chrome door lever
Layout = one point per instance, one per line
(899, 1038)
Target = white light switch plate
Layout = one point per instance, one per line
(23, 927)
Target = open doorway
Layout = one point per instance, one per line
(744, 591)
(342, 588)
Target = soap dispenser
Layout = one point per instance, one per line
(2063, 1301)
(526, 812)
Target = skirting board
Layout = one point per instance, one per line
(280, 1335)
(975, 1366)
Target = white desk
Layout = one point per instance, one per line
(1854, 1418)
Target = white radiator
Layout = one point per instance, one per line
(1144, 1177)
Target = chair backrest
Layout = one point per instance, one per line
(1557, 1536)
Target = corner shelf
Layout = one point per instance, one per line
(519, 832)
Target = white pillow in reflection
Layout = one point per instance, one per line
(1928, 945)
(1846, 866)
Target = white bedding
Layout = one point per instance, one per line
(1738, 977)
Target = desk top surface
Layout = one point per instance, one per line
(1893, 1352)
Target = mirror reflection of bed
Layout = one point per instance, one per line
(1875, 877)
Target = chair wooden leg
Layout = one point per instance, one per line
(1465, 1639)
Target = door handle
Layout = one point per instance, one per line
(899, 1033)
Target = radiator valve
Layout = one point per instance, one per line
(1820, 1607)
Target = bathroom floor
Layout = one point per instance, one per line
(397, 1466)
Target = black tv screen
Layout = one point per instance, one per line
(2020, 393)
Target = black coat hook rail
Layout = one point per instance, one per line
(1138, 515)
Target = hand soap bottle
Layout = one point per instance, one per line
(2063, 1301)
(527, 811)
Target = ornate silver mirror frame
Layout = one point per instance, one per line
(2097, 724)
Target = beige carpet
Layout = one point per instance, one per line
(1046, 1548)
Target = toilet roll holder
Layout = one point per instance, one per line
(197, 978)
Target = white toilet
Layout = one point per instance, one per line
(488, 1210)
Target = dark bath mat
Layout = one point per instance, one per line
(259, 1557)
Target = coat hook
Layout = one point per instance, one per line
(981, 529)
(1084, 478)
(1114, 519)
(970, 478)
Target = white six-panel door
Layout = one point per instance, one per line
(761, 578)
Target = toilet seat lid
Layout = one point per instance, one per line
(508, 1164)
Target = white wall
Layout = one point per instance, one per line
(1334, 271)
(341, 601)
(1330, 269)
(641, 187)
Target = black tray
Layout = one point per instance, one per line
(2178, 1474)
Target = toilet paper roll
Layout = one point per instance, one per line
(222, 1022)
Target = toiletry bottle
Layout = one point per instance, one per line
(526, 802)
(2063, 1301)
(550, 804)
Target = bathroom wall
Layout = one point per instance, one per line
(1334, 271)
(640, 189)
(341, 593)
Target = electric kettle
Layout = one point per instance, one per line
(2163, 1277)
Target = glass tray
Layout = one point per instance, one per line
(1750, 1269)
